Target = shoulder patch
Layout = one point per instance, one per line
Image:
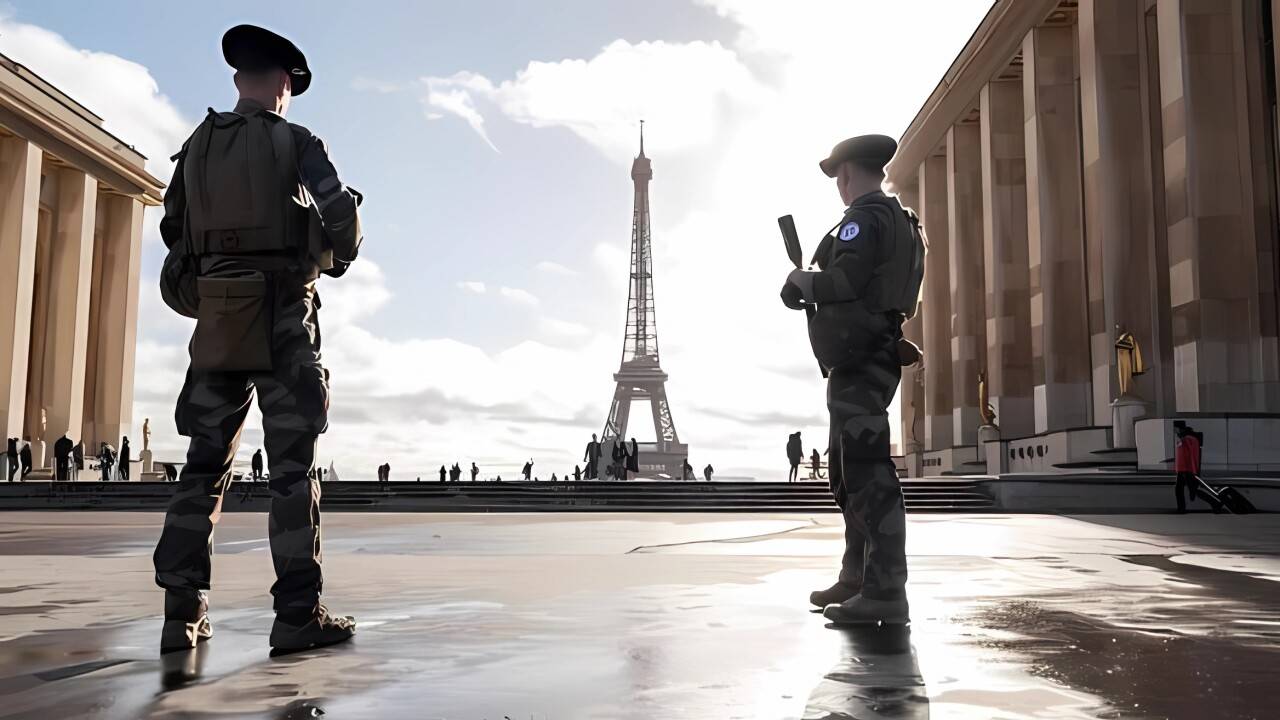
(849, 231)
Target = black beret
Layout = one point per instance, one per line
(252, 48)
(875, 150)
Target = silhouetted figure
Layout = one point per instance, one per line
(815, 463)
(577, 474)
(686, 470)
(386, 472)
(708, 471)
(62, 449)
(528, 470)
(633, 457)
(553, 478)
(444, 473)
(11, 456)
(1186, 464)
(106, 459)
(474, 472)
(499, 479)
(170, 472)
(592, 458)
(619, 455)
(255, 465)
(455, 473)
(795, 453)
(125, 458)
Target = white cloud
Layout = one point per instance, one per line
(453, 95)
(563, 328)
(554, 268)
(472, 286)
(516, 295)
(685, 90)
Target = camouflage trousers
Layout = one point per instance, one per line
(294, 400)
(863, 477)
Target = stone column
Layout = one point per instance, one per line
(939, 425)
(117, 330)
(1218, 269)
(70, 279)
(1117, 204)
(19, 209)
(1055, 246)
(1004, 225)
(911, 405)
(968, 287)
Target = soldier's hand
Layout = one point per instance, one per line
(792, 295)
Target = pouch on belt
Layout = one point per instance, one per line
(233, 325)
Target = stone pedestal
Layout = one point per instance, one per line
(915, 464)
(1125, 411)
(991, 449)
(145, 458)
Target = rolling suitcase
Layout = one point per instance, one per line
(1235, 501)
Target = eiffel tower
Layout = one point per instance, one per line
(640, 376)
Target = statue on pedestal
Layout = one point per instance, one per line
(1128, 360)
(987, 412)
(146, 434)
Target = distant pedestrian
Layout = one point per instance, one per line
(707, 471)
(11, 456)
(795, 454)
(106, 459)
(1186, 464)
(62, 459)
(386, 472)
(444, 474)
(816, 463)
(474, 471)
(455, 473)
(592, 458)
(686, 470)
(256, 466)
(577, 474)
(633, 457)
(528, 470)
(125, 458)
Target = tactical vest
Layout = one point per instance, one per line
(244, 193)
(895, 283)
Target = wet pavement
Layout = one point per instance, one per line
(547, 617)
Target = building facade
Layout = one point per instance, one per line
(71, 208)
(1093, 175)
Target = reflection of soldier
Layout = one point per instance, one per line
(254, 214)
(870, 268)
(877, 676)
(592, 458)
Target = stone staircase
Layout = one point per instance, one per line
(921, 495)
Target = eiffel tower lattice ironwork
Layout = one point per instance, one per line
(640, 376)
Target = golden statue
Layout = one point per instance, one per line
(1128, 360)
(984, 401)
(146, 434)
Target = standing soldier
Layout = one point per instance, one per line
(870, 267)
(255, 213)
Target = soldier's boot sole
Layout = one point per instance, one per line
(180, 635)
(864, 611)
(834, 595)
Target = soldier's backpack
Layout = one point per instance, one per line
(241, 177)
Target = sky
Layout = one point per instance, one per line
(493, 140)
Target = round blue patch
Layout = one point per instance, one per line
(849, 231)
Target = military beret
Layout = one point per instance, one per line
(252, 48)
(875, 150)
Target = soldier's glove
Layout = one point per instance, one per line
(792, 290)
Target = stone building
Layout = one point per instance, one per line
(71, 207)
(1085, 170)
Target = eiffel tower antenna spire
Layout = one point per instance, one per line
(640, 376)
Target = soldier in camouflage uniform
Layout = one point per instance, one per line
(293, 394)
(870, 267)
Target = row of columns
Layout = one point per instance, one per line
(1117, 185)
(70, 253)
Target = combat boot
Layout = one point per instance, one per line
(835, 594)
(859, 610)
(310, 630)
(186, 621)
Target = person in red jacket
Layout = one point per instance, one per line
(1186, 463)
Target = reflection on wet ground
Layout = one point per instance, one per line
(658, 616)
